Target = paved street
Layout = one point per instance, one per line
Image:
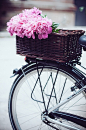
(9, 61)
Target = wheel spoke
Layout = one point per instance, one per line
(38, 90)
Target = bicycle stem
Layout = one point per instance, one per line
(67, 100)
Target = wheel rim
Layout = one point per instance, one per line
(22, 107)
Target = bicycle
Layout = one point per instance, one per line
(48, 95)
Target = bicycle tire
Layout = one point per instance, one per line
(64, 71)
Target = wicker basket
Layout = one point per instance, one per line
(61, 47)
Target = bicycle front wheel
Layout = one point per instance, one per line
(37, 89)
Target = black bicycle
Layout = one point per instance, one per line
(49, 95)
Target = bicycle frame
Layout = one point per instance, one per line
(55, 108)
(58, 123)
(55, 111)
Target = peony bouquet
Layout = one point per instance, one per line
(31, 22)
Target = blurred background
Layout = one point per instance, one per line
(65, 12)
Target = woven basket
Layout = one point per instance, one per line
(61, 47)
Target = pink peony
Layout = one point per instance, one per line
(28, 23)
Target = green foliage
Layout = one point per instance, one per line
(81, 8)
(54, 27)
(43, 16)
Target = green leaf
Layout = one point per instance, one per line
(45, 16)
(56, 31)
(81, 8)
(54, 27)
